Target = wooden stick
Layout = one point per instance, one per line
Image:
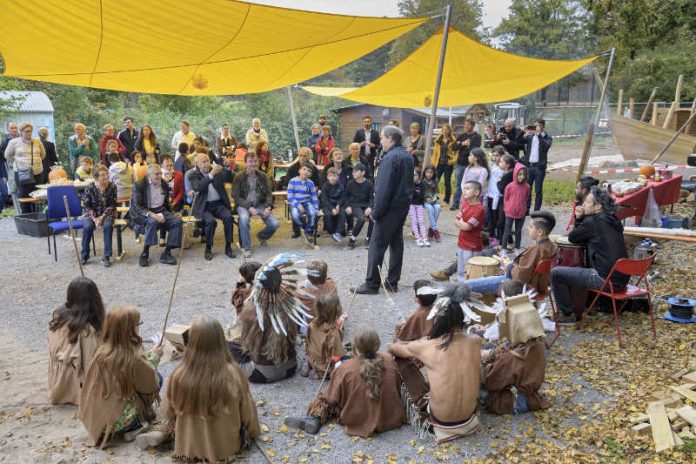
(355, 290)
(258, 445)
(631, 107)
(677, 90)
(653, 116)
(326, 372)
(670, 115)
(176, 275)
(619, 104)
(647, 106)
(72, 234)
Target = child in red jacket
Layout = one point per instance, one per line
(515, 205)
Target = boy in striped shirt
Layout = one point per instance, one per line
(302, 196)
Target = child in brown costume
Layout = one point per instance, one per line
(317, 284)
(122, 382)
(324, 336)
(73, 337)
(417, 324)
(363, 394)
(207, 403)
(244, 283)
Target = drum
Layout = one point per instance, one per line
(481, 266)
(569, 254)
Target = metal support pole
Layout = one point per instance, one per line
(72, 235)
(589, 136)
(293, 116)
(438, 82)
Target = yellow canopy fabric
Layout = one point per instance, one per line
(182, 47)
(473, 73)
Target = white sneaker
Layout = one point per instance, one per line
(419, 242)
(426, 242)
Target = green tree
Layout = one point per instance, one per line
(466, 17)
(544, 29)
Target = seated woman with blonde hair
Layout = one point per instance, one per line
(122, 382)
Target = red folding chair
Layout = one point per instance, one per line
(629, 267)
(543, 268)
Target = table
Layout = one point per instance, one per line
(666, 192)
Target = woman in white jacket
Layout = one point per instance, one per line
(26, 153)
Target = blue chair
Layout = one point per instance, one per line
(55, 214)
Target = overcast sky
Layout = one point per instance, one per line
(493, 10)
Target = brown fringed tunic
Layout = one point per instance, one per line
(68, 363)
(346, 400)
(416, 326)
(215, 438)
(323, 341)
(523, 367)
(329, 286)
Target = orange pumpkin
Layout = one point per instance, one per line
(646, 170)
(56, 175)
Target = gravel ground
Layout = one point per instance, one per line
(34, 285)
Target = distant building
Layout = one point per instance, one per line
(350, 118)
(32, 107)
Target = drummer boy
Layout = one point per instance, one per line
(523, 266)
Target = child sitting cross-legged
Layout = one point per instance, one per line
(207, 404)
(304, 203)
(523, 267)
(363, 394)
(333, 202)
(324, 337)
(122, 382)
(417, 324)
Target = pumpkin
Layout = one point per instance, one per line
(57, 175)
(647, 170)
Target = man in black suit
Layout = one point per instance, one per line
(535, 158)
(393, 193)
(369, 144)
(212, 203)
(150, 210)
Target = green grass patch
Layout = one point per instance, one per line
(9, 212)
(558, 191)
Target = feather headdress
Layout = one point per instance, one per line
(275, 290)
(459, 294)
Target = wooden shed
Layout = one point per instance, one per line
(350, 117)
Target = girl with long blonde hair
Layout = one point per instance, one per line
(207, 403)
(122, 381)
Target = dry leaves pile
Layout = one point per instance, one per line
(623, 381)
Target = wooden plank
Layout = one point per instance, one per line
(688, 413)
(680, 374)
(690, 377)
(649, 104)
(638, 419)
(640, 430)
(687, 435)
(661, 431)
(619, 105)
(688, 394)
(677, 441)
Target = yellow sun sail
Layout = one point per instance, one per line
(473, 73)
(182, 47)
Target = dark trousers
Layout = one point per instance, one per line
(171, 224)
(535, 178)
(88, 232)
(217, 210)
(492, 218)
(23, 191)
(564, 278)
(508, 231)
(388, 233)
(336, 223)
(447, 170)
(4, 193)
(358, 215)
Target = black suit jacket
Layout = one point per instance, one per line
(128, 140)
(545, 142)
(199, 184)
(140, 201)
(374, 138)
(394, 185)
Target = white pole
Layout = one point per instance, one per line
(294, 119)
(438, 82)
